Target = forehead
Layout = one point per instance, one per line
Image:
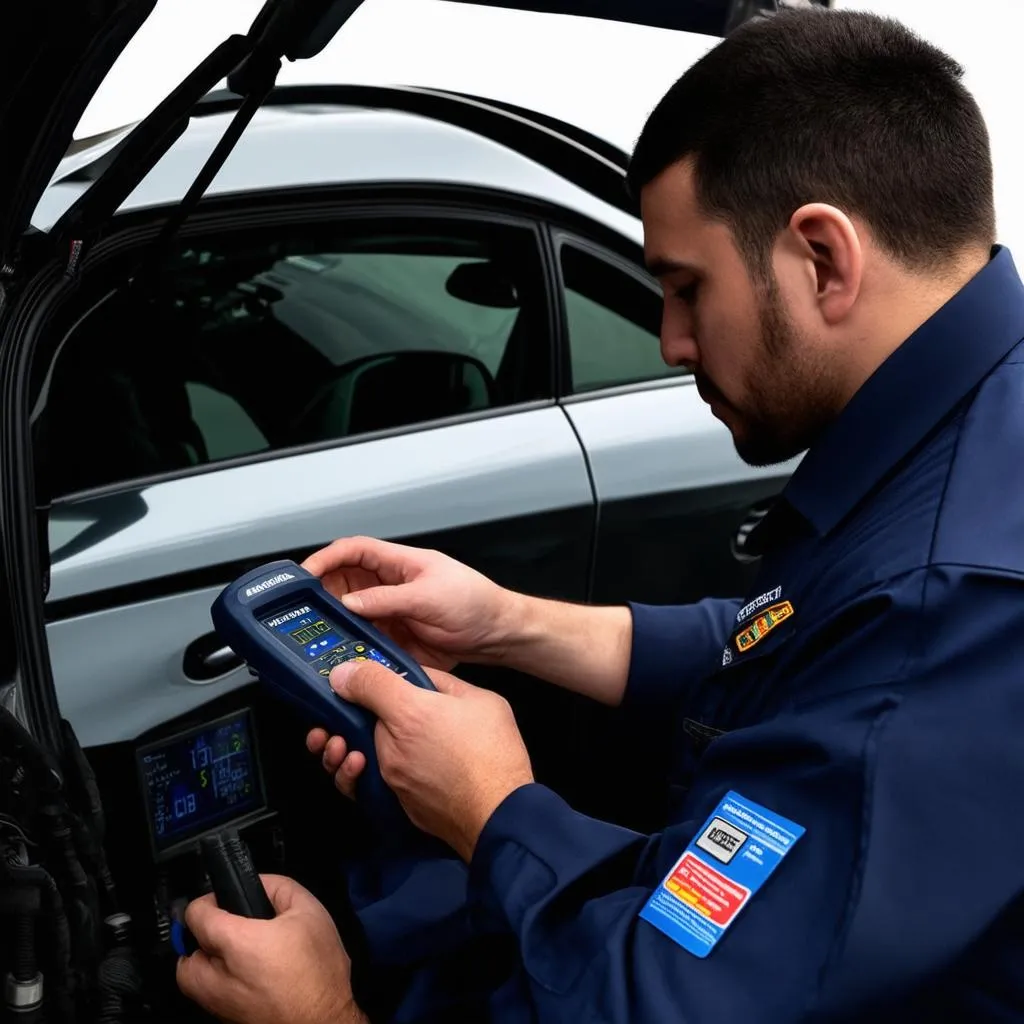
(673, 191)
(678, 235)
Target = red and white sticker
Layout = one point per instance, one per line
(706, 890)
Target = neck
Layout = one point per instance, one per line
(899, 302)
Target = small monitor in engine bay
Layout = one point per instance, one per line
(200, 780)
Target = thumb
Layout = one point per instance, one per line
(383, 602)
(284, 892)
(372, 686)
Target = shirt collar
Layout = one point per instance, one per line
(922, 381)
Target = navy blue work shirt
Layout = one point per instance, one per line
(883, 712)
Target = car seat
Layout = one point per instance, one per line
(118, 409)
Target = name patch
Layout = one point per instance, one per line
(759, 602)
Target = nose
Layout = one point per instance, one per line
(678, 345)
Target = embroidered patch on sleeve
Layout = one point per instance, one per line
(763, 625)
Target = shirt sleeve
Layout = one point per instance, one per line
(674, 645)
(907, 785)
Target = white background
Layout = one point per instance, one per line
(603, 76)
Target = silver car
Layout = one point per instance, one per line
(412, 314)
(405, 312)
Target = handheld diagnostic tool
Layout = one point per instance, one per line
(292, 632)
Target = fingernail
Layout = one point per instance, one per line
(340, 675)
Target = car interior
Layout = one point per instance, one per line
(178, 378)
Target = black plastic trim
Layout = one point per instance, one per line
(680, 380)
(594, 164)
(601, 146)
(23, 543)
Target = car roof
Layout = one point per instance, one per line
(290, 145)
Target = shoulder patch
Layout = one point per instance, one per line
(763, 625)
(737, 848)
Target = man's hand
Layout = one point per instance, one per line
(442, 612)
(451, 756)
(438, 610)
(293, 968)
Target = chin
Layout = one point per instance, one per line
(762, 451)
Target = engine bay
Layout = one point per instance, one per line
(239, 762)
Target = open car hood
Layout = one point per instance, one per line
(57, 53)
(53, 57)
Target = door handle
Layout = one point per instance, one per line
(208, 658)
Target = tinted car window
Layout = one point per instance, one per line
(257, 343)
(614, 322)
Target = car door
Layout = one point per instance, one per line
(673, 496)
(305, 374)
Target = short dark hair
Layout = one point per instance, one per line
(842, 107)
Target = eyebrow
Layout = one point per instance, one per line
(660, 266)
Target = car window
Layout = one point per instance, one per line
(614, 322)
(257, 342)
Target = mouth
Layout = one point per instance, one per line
(709, 394)
(716, 402)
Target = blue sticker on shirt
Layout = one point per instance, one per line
(732, 856)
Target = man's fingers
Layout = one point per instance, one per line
(351, 768)
(199, 974)
(388, 602)
(316, 740)
(373, 687)
(210, 925)
(387, 560)
(334, 753)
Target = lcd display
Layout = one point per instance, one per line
(304, 630)
(201, 779)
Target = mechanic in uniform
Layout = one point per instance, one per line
(846, 837)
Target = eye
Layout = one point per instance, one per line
(687, 293)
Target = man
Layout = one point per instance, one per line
(845, 834)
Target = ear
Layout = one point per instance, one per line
(828, 241)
